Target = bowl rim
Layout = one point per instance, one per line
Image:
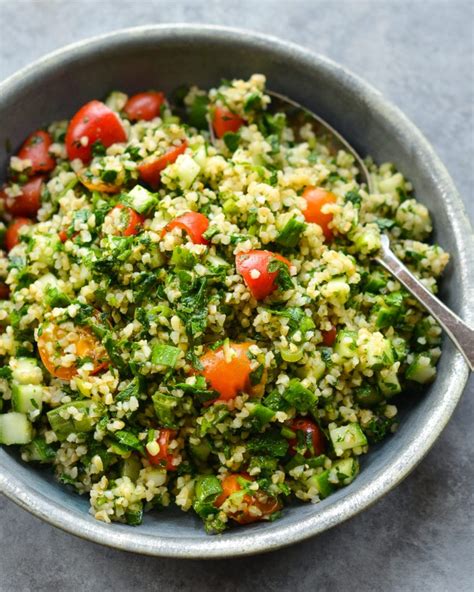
(245, 543)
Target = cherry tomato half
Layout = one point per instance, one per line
(313, 436)
(36, 149)
(253, 267)
(94, 122)
(316, 198)
(126, 221)
(193, 223)
(11, 235)
(231, 376)
(144, 105)
(150, 169)
(163, 457)
(231, 484)
(224, 121)
(28, 202)
(55, 338)
(329, 337)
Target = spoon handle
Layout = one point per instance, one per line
(461, 335)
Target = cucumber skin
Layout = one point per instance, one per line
(63, 427)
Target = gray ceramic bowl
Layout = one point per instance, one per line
(165, 57)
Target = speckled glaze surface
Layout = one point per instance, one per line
(165, 57)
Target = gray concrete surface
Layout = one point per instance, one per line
(421, 536)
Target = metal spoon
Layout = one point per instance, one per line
(460, 334)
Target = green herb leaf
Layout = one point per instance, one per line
(231, 140)
(283, 279)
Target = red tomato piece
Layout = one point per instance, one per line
(231, 484)
(150, 169)
(193, 223)
(36, 149)
(11, 235)
(253, 267)
(129, 221)
(28, 202)
(163, 457)
(228, 378)
(224, 121)
(316, 198)
(94, 122)
(144, 105)
(4, 291)
(329, 337)
(311, 432)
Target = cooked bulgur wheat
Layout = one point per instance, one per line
(225, 362)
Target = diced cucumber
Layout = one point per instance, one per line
(182, 258)
(421, 370)
(336, 289)
(388, 382)
(201, 451)
(82, 418)
(347, 437)
(388, 310)
(291, 356)
(321, 483)
(39, 451)
(164, 406)
(134, 515)
(368, 396)
(185, 169)
(346, 344)
(318, 367)
(140, 199)
(386, 316)
(344, 471)
(377, 351)
(230, 206)
(367, 240)
(15, 428)
(131, 467)
(260, 414)
(26, 371)
(27, 397)
(300, 397)
(164, 355)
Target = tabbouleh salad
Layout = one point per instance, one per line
(195, 318)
